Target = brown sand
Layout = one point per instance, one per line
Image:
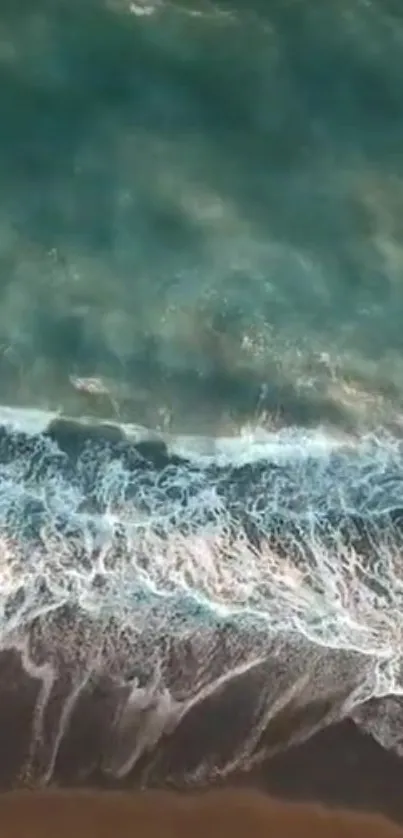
(239, 814)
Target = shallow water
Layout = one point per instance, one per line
(170, 586)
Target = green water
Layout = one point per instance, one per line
(201, 205)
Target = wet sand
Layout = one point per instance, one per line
(339, 766)
(55, 814)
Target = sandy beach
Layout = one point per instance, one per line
(157, 815)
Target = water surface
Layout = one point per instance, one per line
(200, 205)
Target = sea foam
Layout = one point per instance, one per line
(190, 571)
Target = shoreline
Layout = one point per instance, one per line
(75, 703)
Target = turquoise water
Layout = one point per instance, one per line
(201, 207)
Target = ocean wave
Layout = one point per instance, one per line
(217, 599)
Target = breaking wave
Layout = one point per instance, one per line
(259, 578)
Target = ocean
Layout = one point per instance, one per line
(201, 206)
(201, 456)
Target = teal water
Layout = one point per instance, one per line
(201, 206)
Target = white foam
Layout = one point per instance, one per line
(186, 537)
(31, 421)
(286, 535)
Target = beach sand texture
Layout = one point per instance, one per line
(239, 814)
